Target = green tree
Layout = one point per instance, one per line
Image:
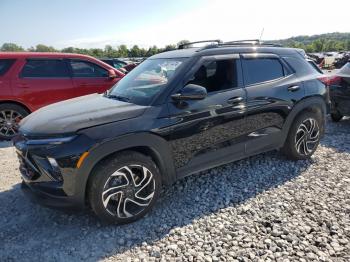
(123, 51)
(10, 47)
(44, 48)
(69, 50)
(135, 51)
(96, 52)
(110, 51)
(182, 42)
(152, 51)
(169, 48)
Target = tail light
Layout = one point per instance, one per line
(330, 80)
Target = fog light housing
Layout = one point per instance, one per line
(55, 169)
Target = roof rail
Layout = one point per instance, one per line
(252, 42)
(247, 41)
(182, 46)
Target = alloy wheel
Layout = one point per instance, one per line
(307, 137)
(9, 120)
(128, 191)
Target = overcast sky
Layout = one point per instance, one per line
(92, 23)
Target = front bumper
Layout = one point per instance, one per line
(52, 186)
(36, 195)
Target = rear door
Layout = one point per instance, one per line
(272, 90)
(43, 81)
(89, 77)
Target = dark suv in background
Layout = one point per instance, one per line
(340, 93)
(177, 113)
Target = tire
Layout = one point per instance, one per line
(336, 116)
(136, 179)
(304, 136)
(10, 115)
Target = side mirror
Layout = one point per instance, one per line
(191, 92)
(111, 74)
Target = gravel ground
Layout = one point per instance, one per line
(260, 209)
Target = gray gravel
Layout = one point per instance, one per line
(260, 209)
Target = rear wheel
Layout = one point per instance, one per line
(10, 116)
(123, 189)
(304, 136)
(336, 116)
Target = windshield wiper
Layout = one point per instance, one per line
(120, 98)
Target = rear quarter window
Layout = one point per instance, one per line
(259, 70)
(5, 65)
(300, 65)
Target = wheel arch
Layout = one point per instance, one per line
(314, 104)
(145, 143)
(16, 103)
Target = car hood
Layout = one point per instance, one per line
(72, 115)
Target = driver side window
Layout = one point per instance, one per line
(219, 75)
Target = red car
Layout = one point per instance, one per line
(29, 81)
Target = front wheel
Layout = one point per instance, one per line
(304, 136)
(124, 188)
(10, 116)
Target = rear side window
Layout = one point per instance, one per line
(45, 68)
(5, 65)
(258, 70)
(87, 69)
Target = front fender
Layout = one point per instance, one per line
(156, 144)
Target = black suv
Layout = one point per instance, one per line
(177, 113)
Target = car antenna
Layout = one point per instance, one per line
(261, 35)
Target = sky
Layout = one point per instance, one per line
(96, 23)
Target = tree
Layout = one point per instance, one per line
(169, 48)
(10, 47)
(69, 50)
(135, 51)
(110, 52)
(44, 48)
(182, 42)
(152, 51)
(123, 51)
(96, 52)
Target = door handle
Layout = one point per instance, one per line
(23, 86)
(235, 100)
(293, 88)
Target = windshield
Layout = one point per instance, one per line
(147, 80)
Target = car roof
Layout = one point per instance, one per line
(192, 52)
(41, 55)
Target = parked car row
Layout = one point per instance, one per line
(29, 81)
(330, 60)
(119, 64)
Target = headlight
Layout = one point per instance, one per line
(50, 141)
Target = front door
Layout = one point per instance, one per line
(89, 78)
(210, 132)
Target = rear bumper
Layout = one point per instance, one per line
(38, 195)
